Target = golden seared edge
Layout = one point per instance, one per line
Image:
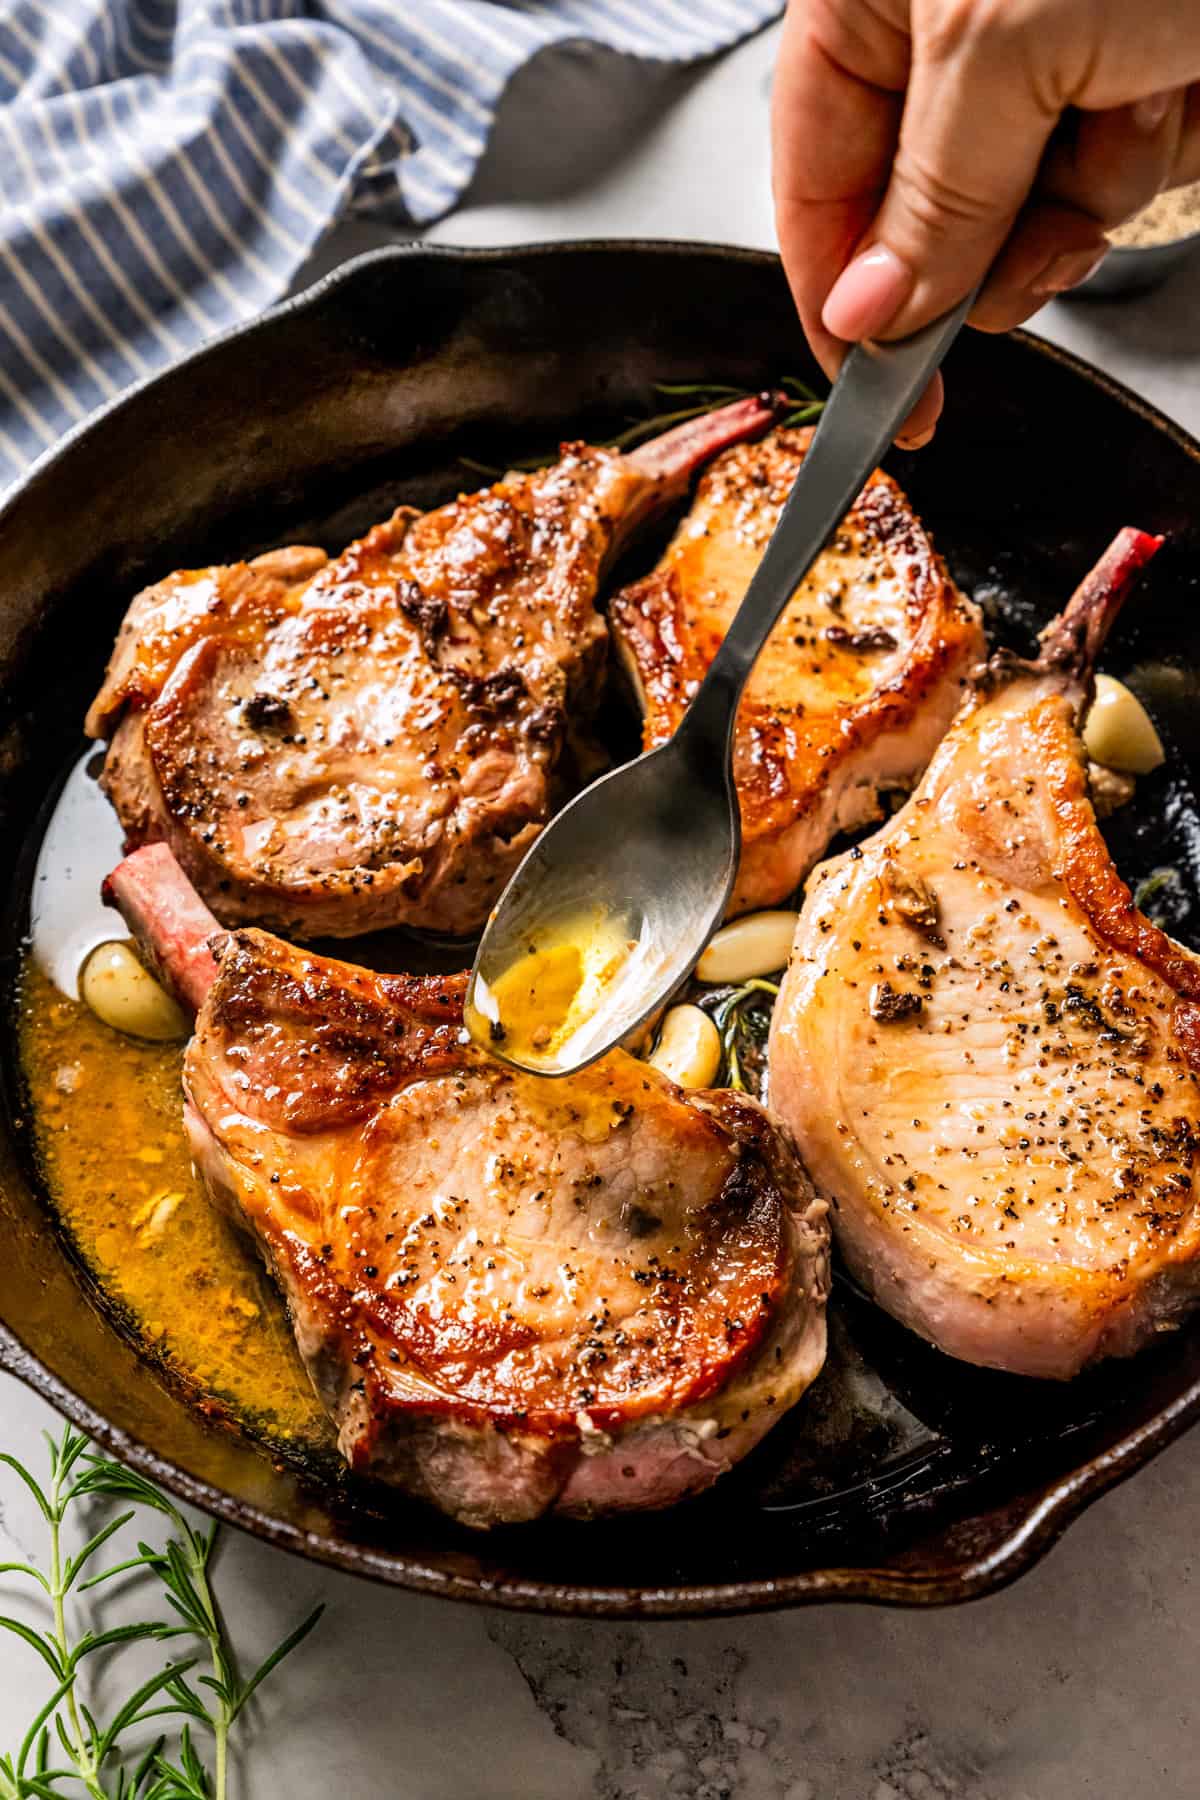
(987, 1054)
(513, 1295)
(330, 746)
(857, 683)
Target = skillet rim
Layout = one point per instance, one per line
(1006, 1541)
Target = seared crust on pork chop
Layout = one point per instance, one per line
(988, 1056)
(332, 746)
(857, 683)
(512, 1294)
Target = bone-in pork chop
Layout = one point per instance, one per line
(988, 1056)
(857, 683)
(512, 1295)
(332, 746)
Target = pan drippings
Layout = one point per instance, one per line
(109, 1135)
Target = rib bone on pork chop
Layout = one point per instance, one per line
(988, 1056)
(332, 746)
(512, 1295)
(856, 684)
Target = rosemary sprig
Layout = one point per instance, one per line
(729, 1017)
(687, 400)
(807, 405)
(98, 1757)
(1163, 885)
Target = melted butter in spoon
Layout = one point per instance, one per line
(547, 998)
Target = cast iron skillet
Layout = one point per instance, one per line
(902, 1477)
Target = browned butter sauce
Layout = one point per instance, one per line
(108, 1125)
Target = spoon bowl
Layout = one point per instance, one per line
(614, 903)
(644, 861)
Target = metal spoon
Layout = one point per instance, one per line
(638, 869)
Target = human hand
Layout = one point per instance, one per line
(920, 144)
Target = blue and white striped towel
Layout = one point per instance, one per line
(166, 166)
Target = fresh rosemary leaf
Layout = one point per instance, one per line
(45, 1649)
(90, 1642)
(134, 1711)
(98, 1756)
(709, 393)
(19, 1470)
(144, 1769)
(112, 1481)
(37, 1735)
(112, 1572)
(701, 397)
(273, 1661)
(19, 1568)
(42, 1787)
(82, 1557)
(742, 1016)
(804, 415)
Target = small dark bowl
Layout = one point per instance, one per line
(1136, 268)
(902, 1476)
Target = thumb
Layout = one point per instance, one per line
(972, 136)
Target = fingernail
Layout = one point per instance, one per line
(1068, 270)
(1149, 114)
(918, 442)
(867, 294)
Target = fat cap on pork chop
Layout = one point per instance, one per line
(512, 1295)
(987, 1054)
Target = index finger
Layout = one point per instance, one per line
(836, 108)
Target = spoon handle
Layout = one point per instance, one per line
(872, 396)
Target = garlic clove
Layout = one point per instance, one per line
(688, 1048)
(1118, 731)
(123, 994)
(756, 945)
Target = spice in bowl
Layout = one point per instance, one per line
(1169, 217)
(1163, 237)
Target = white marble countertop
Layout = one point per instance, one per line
(1079, 1681)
